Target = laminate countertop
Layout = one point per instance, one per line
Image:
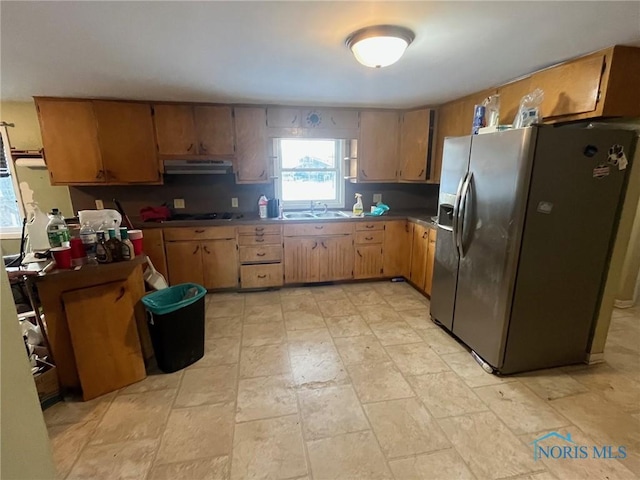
(421, 217)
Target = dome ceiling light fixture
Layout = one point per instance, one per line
(380, 45)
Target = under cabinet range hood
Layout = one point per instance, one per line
(189, 167)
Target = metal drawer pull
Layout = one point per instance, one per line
(369, 226)
(359, 254)
(259, 234)
(319, 227)
(259, 229)
(196, 250)
(315, 244)
(368, 238)
(200, 230)
(262, 276)
(260, 254)
(259, 239)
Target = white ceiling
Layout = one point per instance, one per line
(291, 52)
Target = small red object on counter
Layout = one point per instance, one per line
(155, 214)
(62, 256)
(136, 239)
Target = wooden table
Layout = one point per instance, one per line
(96, 325)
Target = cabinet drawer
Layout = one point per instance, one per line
(260, 239)
(260, 229)
(261, 254)
(201, 233)
(313, 229)
(369, 226)
(258, 276)
(375, 236)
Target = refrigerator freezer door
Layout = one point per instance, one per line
(491, 220)
(569, 231)
(454, 168)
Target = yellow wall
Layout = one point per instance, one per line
(25, 452)
(26, 133)
(623, 268)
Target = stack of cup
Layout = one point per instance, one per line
(136, 239)
(62, 256)
(78, 253)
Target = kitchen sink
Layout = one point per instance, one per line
(332, 215)
(314, 215)
(298, 215)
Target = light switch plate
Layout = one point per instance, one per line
(99, 205)
(234, 202)
(377, 197)
(178, 203)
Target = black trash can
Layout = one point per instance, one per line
(176, 325)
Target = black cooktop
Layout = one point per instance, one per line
(204, 216)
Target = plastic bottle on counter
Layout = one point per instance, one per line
(37, 229)
(262, 206)
(57, 230)
(114, 246)
(358, 209)
(89, 240)
(102, 252)
(127, 247)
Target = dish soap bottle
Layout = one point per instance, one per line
(358, 209)
(262, 206)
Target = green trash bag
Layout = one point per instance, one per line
(173, 298)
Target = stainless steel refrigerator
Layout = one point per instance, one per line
(526, 224)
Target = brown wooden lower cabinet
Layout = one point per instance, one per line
(398, 240)
(212, 264)
(153, 247)
(336, 258)
(419, 256)
(368, 261)
(184, 262)
(301, 260)
(220, 263)
(431, 256)
(261, 276)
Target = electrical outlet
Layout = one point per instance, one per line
(377, 197)
(99, 205)
(178, 203)
(234, 202)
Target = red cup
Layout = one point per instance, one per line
(62, 256)
(136, 239)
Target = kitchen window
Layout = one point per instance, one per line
(309, 170)
(11, 213)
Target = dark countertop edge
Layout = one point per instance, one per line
(421, 218)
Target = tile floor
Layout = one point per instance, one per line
(351, 382)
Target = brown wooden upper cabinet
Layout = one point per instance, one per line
(127, 142)
(415, 134)
(202, 130)
(98, 142)
(378, 146)
(312, 118)
(252, 159)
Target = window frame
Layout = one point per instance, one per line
(12, 233)
(340, 150)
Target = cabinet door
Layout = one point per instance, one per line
(184, 262)
(252, 162)
(214, 127)
(570, 88)
(414, 145)
(127, 142)
(431, 256)
(175, 129)
(104, 336)
(378, 146)
(153, 247)
(419, 255)
(302, 260)
(368, 261)
(336, 261)
(398, 238)
(278, 117)
(220, 263)
(70, 140)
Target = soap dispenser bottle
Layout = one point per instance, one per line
(358, 209)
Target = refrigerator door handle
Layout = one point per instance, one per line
(462, 212)
(456, 212)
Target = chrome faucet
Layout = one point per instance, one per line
(313, 205)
